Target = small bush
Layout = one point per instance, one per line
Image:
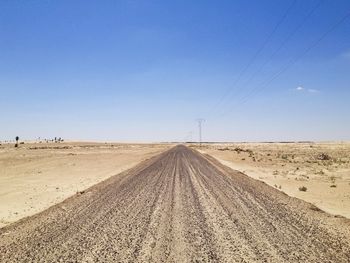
(303, 189)
(323, 157)
(238, 150)
(224, 149)
(333, 185)
(284, 157)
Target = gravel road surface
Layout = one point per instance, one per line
(180, 206)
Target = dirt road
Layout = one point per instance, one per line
(178, 207)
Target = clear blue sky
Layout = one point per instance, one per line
(145, 70)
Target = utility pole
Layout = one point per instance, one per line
(200, 130)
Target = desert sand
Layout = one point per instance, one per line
(322, 168)
(179, 206)
(36, 176)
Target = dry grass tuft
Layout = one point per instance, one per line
(303, 188)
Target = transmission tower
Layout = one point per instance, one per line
(200, 130)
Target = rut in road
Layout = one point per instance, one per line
(180, 206)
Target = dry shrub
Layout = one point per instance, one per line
(323, 157)
(224, 149)
(303, 188)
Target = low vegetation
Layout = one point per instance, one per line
(303, 188)
(323, 157)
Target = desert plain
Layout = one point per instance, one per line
(35, 176)
(316, 172)
(110, 202)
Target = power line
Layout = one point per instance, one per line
(188, 137)
(257, 53)
(292, 62)
(283, 43)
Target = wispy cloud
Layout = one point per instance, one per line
(302, 89)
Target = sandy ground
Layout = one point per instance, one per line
(290, 166)
(179, 206)
(34, 177)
